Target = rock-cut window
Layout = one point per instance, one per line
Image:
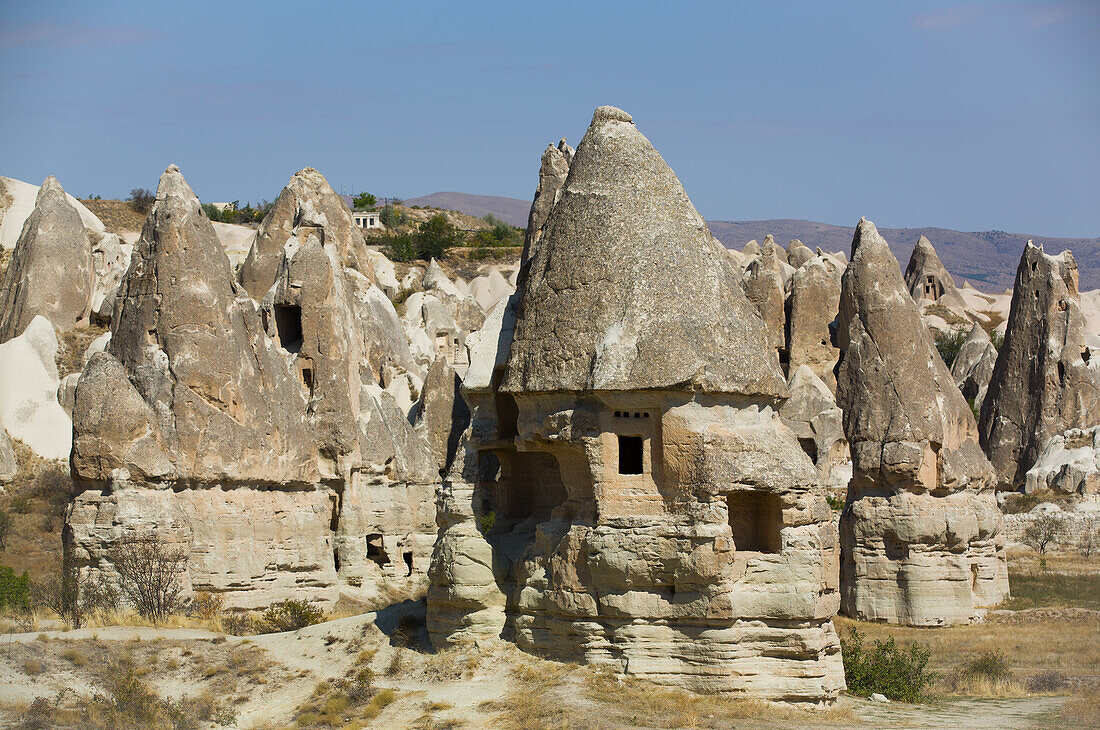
(631, 454)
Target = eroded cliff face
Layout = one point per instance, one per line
(1045, 380)
(921, 532)
(622, 496)
(259, 440)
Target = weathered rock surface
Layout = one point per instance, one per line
(813, 305)
(17, 202)
(552, 173)
(578, 339)
(928, 280)
(813, 415)
(267, 448)
(1045, 380)
(442, 414)
(973, 365)
(9, 467)
(798, 253)
(259, 270)
(110, 260)
(1069, 463)
(29, 410)
(626, 493)
(921, 530)
(763, 284)
(50, 273)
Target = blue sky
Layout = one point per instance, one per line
(975, 116)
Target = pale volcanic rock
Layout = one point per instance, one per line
(813, 305)
(928, 280)
(29, 410)
(763, 284)
(552, 174)
(442, 414)
(1068, 463)
(1045, 380)
(626, 493)
(17, 202)
(798, 253)
(921, 532)
(325, 207)
(577, 339)
(50, 273)
(812, 413)
(9, 467)
(110, 260)
(973, 365)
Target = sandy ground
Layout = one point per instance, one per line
(276, 676)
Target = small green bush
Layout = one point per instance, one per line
(899, 674)
(291, 615)
(15, 589)
(949, 344)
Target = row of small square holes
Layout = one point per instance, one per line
(626, 414)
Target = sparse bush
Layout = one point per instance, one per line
(213, 212)
(487, 521)
(364, 201)
(407, 634)
(949, 344)
(6, 525)
(1050, 680)
(997, 338)
(1043, 532)
(291, 615)
(141, 199)
(14, 589)
(33, 667)
(150, 573)
(399, 246)
(436, 236)
(983, 674)
(835, 502)
(239, 623)
(899, 674)
(73, 597)
(391, 217)
(206, 605)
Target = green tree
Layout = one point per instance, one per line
(436, 236)
(364, 201)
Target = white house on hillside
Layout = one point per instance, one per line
(367, 219)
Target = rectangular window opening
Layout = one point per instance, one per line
(631, 454)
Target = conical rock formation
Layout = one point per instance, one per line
(921, 530)
(629, 496)
(50, 273)
(973, 365)
(1045, 380)
(928, 280)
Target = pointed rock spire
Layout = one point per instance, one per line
(628, 289)
(51, 272)
(1045, 380)
(552, 174)
(307, 200)
(228, 407)
(928, 280)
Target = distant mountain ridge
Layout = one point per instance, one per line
(987, 259)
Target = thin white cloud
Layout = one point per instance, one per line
(953, 18)
(1026, 14)
(54, 35)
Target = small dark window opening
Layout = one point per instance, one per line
(637, 415)
(1086, 354)
(288, 325)
(646, 414)
(618, 414)
(336, 557)
(631, 451)
(1061, 373)
(334, 516)
(756, 519)
(375, 550)
(407, 556)
(810, 447)
(307, 378)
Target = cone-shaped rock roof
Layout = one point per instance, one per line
(629, 290)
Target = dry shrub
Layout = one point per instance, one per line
(150, 572)
(206, 605)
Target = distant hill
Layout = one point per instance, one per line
(987, 259)
(509, 210)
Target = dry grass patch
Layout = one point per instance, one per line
(116, 215)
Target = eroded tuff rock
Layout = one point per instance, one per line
(763, 284)
(29, 410)
(798, 253)
(50, 273)
(813, 415)
(813, 302)
(259, 270)
(552, 173)
(276, 460)
(1068, 463)
(1045, 380)
(928, 280)
(626, 493)
(973, 365)
(9, 467)
(921, 530)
